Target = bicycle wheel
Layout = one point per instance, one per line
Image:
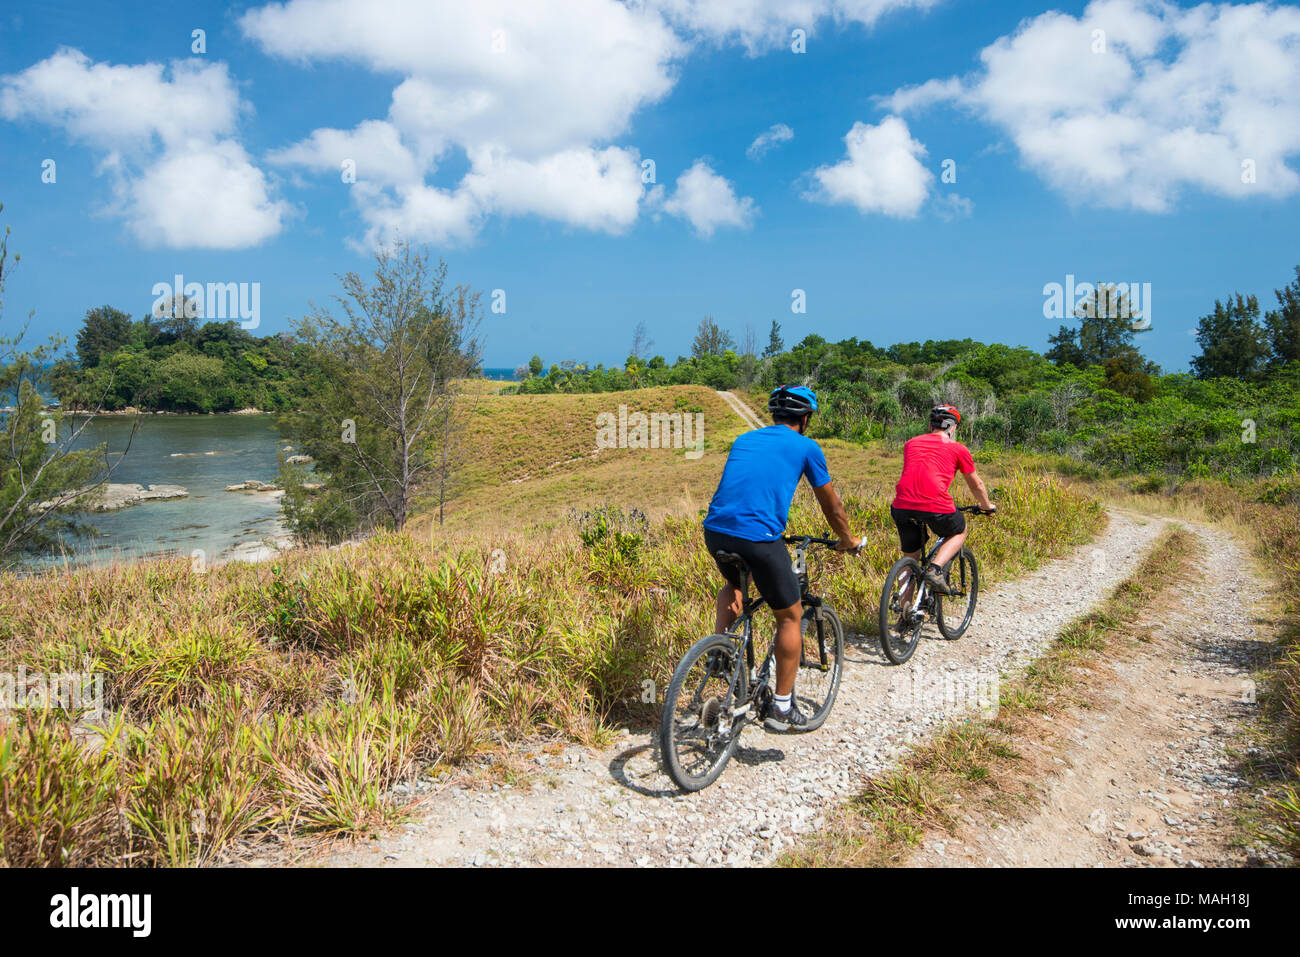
(900, 629)
(820, 664)
(954, 612)
(693, 734)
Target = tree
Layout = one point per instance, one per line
(177, 320)
(641, 341)
(1106, 326)
(1125, 374)
(775, 345)
(43, 476)
(104, 331)
(1233, 343)
(383, 418)
(1065, 348)
(710, 340)
(748, 356)
(1284, 323)
(535, 366)
(1105, 330)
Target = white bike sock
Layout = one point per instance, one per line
(783, 701)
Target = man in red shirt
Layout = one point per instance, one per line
(921, 499)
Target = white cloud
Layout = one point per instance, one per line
(527, 91)
(374, 148)
(882, 172)
(593, 189)
(166, 138)
(707, 200)
(209, 196)
(532, 93)
(952, 206)
(1179, 99)
(762, 25)
(777, 133)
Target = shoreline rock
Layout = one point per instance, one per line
(118, 495)
(253, 485)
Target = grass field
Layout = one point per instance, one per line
(290, 697)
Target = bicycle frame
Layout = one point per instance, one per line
(924, 591)
(745, 620)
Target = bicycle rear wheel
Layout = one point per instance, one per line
(900, 629)
(694, 735)
(954, 612)
(820, 664)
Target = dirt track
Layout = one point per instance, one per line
(618, 808)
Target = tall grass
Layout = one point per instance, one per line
(291, 697)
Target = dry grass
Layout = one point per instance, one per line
(530, 458)
(290, 697)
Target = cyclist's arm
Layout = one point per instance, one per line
(977, 488)
(833, 509)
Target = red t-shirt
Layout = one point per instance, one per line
(930, 463)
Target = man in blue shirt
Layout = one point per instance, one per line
(747, 516)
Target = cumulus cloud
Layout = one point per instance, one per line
(593, 189)
(1135, 101)
(776, 134)
(527, 91)
(707, 201)
(881, 172)
(165, 135)
(531, 93)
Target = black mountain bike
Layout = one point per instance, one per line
(907, 601)
(716, 690)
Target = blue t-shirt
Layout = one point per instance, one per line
(758, 482)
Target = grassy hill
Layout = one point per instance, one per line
(531, 458)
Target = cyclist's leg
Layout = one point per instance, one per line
(730, 600)
(953, 528)
(776, 581)
(911, 539)
(729, 606)
(789, 647)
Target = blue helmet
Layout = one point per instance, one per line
(793, 401)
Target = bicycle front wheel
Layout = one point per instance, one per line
(820, 664)
(954, 612)
(695, 735)
(900, 625)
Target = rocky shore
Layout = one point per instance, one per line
(115, 495)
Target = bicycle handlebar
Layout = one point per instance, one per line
(804, 541)
(976, 510)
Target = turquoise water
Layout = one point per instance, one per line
(204, 453)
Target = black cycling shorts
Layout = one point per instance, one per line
(912, 524)
(770, 566)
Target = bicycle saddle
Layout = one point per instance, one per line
(731, 558)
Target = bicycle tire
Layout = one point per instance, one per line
(810, 669)
(898, 643)
(963, 576)
(676, 713)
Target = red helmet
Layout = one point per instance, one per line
(942, 413)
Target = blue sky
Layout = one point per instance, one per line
(510, 138)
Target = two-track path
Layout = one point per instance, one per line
(616, 807)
